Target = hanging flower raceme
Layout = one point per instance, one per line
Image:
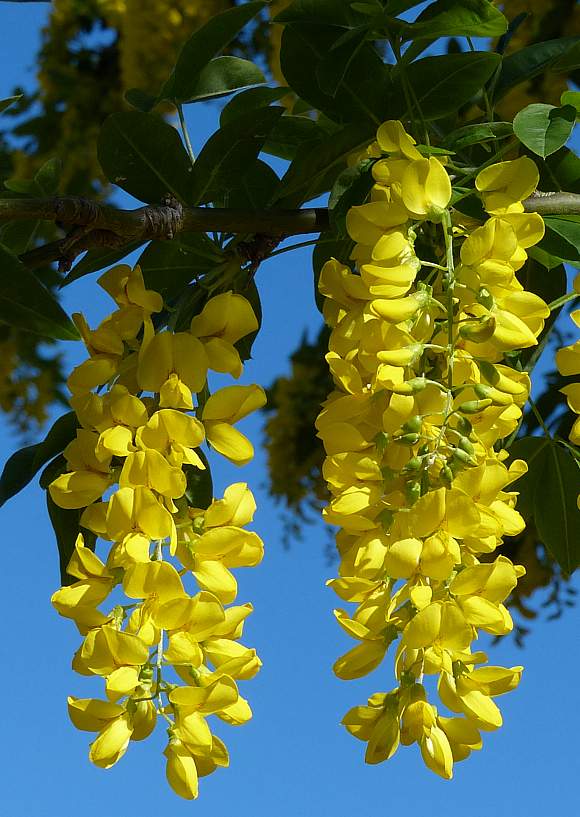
(144, 410)
(568, 362)
(419, 483)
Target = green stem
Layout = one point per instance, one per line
(488, 108)
(185, 133)
(564, 299)
(409, 91)
(468, 176)
(448, 232)
(538, 417)
(299, 245)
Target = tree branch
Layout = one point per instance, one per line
(91, 224)
(553, 204)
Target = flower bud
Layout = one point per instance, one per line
(413, 424)
(478, 331)
(412, 492)
(474, 406)
(485, 298)
(407, 439)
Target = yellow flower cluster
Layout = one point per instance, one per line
(568, 363)
(153, 31)
(160, 650)
(412, 431)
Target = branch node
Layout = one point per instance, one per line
(165, 221)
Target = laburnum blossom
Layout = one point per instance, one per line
(568, 363)
(144, 410)
(420, 485)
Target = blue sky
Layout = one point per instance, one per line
(293, 759)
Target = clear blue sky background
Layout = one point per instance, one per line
(293, 759)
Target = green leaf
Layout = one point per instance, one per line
(477, 134)
(96, 260)
(289, 133)
(457, 18)
(191, 301)
(442, 84)
(251, 293)
(24, 464)
(222, 76)
(396, 7)
(204, 44)
(562, 237)
(533, 450)
(66, 525)
(360, 94)
(8, 101)
(21, 236)
(229, 152)
(253, 190)
(570, 59)
(571, 98)
(543, 128)
(47, 177)
(168, 266)
(319, 161)
(320, 12)
(248, 100)
(561, 170)
(547, 494)
(26, 304)
(199, 491)
(545, 259)
(144, 155)
(351, 187)
(332, 69)
(556, 512)
(141, 100)
(528, 62)
(25, 187)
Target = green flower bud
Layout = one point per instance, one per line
(381, 441)
(482, 391)
(474, 406)
(407, 439)
(413, 465)
(485, 298)
(466, 445)
(479, 330)
(464, 426)
(446, 474)
(463, 457)
(412, 492)
(413, 424)
(386, 518)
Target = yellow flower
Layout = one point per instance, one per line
(126, 287)
(224, 320)
(112, 742)
(506, 184)
(426, 188)
(80, 599)
(174, 434)
(393, 138)
(222, 410)
(173, 365)
(181, 770)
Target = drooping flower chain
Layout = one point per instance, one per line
(419, 488)
(568, 363)
(161, 651)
